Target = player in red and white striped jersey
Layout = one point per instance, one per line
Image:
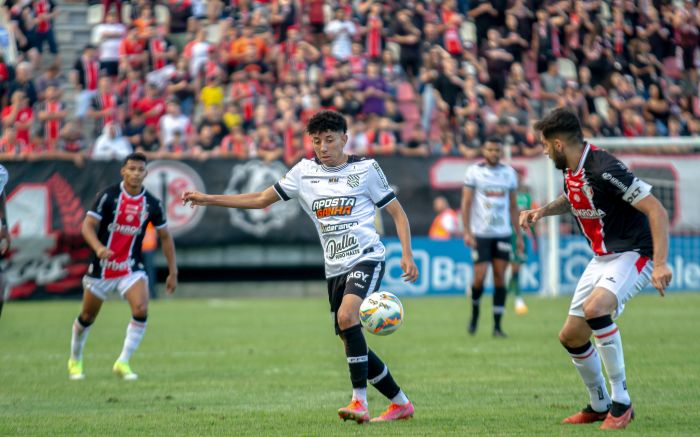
(626, 227)
(114, 229)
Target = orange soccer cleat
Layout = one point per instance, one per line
(396, 412)
(587, 415)
(356, 410)
(622, 420)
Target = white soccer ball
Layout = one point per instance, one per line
(381, 313)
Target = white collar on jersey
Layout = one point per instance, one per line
(121, 187)
(586, 149)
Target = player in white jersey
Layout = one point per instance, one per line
(340, 193)
(489, 215)
(4, 232)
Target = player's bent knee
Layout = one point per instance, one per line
(346, 320)
(569, 338)
(140, 311)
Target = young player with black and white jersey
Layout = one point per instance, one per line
(490, 216)
(114, 229)
(340, 193)
(4, 231)
(626, 226)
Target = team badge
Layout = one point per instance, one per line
(354, 180)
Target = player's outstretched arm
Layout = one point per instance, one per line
(90, 235)
(257, 200)
(558, 206)
(519, 243)
(658, 222)
(403, 229)
(168, 245)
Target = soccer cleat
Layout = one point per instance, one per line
(497, 333)
(471, 328)
(587, 415)
(520, 307)
(75, 370)
(123, 371)
(619, 417)
(395, 412)
(356, 410)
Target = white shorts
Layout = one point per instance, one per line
(103, 287)
(624, 274)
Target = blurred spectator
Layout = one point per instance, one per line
(416, 144)
(105, 105)
(19, 115)
(174, 121)
(85, 76)
(341, 30)
(152, 105)
(552, 87)
(52, 115)
(23, 82)
(446, 223)
(110, 35)
(111, 145)
(51, 77)
(44, 13)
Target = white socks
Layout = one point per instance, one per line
(400, 398)
(609, 344)
(134, 335)
(360, 394)
(77, 340)
(587, 363)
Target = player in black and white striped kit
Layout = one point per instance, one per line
(340, 193)
(4, 231)
(490, 216)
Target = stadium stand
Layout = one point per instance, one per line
(236, 66)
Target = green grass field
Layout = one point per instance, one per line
(274, 367)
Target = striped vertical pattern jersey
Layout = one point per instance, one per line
(602, 192)
(4, 177)
(341, 202)
(492, 185)
(123, 221)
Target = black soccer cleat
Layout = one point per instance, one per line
(497, 333)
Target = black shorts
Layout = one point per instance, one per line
(488, 249)
(317, 28)
(110, 68)
(363, 279)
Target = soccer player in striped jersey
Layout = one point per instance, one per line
(114, 229)
(627, 227)
(4, 231)
(490, 217)
(340, 193)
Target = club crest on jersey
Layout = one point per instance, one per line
(353, 180)
(333, 206)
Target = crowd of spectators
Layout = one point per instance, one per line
(205, 78)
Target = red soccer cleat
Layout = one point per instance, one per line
(356, 410)
(618, 422)
(396, 412)
(587, 415)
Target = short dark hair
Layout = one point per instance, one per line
(327, 121)
(494, 139)
(136, 156)
(563, 123)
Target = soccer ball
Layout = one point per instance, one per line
(381, 313)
